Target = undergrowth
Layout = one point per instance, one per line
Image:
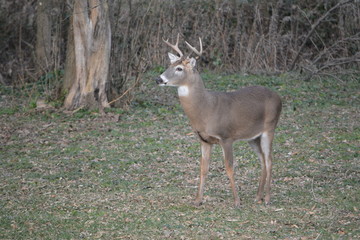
(133, 174)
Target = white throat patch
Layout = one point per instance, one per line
(183, 91)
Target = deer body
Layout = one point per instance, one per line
(233, 115)
(249, 114)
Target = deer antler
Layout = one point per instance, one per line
(175, 47)
(199, 53)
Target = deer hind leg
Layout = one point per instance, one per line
(266, 147)
(229, 166)
(263, 148)
(204, 169)
(256, 146)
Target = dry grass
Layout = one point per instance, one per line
(133, 174)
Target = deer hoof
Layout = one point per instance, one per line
(198, 203)
(267, 203)
(258, 200)
(267, 200)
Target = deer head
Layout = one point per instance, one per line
(181, 69)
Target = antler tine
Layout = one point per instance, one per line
(175, 47)
(199, 53)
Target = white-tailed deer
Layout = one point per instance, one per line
(250, 114)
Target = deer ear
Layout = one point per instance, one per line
(173, 58)
(192, 62)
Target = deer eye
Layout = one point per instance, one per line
(179, 69)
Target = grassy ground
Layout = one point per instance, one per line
(133, 174)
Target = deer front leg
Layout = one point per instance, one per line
(229, 166)
(204, 169)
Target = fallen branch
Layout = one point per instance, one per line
(335, 62)
(341, 61)
(126, 92)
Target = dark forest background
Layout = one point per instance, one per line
(314, 38)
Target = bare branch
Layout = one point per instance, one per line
(313, 27)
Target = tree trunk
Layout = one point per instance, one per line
(43, 36)
(274, 35)
(88, 70)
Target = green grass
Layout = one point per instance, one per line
(133, 174)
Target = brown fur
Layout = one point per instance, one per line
(249, 114)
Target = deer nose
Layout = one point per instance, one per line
(159, 80)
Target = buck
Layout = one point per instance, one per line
(249, 114)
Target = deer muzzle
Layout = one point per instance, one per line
(160, 81)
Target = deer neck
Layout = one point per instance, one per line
(196, 101)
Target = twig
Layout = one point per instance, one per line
(312, 189)
(317, 237)
(313, 27)
(128, 90)
(78, 109)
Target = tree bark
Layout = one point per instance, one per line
(274, 35)
(49, 38)
(43, 36)
(87, 77)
